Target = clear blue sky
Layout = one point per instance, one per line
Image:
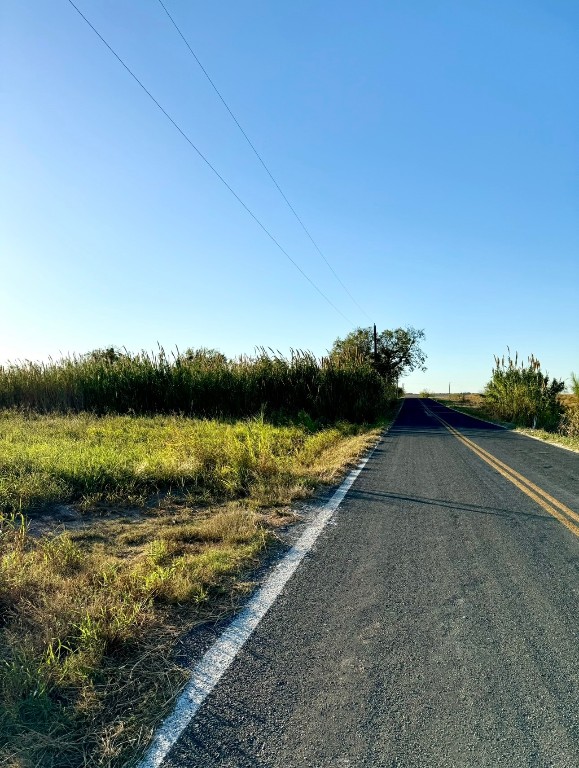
(430, 146)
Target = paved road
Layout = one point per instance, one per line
(434, 625)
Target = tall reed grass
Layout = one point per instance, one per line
(198, 383)
(569, 426)
(523, 394)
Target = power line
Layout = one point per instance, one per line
(259, 157)
(206, 161)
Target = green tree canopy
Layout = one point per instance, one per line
(205, 356)
(398, 351)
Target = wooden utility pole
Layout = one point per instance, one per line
(375, 344)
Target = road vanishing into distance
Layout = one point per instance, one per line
(434, 623)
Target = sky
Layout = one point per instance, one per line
(430, 147)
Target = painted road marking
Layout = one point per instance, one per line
(550, 504)
(219, 657)
(525, 434)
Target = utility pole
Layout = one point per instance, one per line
(375, 344)
(449, 390)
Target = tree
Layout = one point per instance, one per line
(109, 355)
(398, 351)
(205, 356)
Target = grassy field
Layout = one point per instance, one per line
(118, 533)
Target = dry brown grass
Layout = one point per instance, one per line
(91, 616)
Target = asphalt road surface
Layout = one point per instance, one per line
(435, 624)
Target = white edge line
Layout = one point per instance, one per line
(485, 421)
(207, 673)
(516, 430)
(546, 442)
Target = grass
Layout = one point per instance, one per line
(122, 459)
(551, 437)
(167, 517)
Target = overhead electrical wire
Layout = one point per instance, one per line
(209, 164)
(259, 157)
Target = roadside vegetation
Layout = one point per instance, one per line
(164, 519)
(138, 493)
(570, 421)
(201, 383)
(522, 397)
(523, 394)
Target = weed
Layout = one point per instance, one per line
(62, 553)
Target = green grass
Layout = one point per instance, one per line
(122, 459)
(551, 437)
(79, 624)
(172, 514)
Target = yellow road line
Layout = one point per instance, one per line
(551, 505)
(528, 482)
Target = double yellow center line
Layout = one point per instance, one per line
(553, 506)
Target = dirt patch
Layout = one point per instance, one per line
(56, 519)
